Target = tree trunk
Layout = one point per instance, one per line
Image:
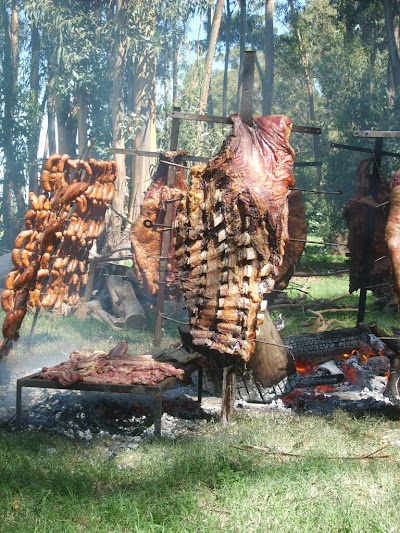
(175, 70)
(242, 46)
(36, 116)
(216, 23)
(66, 126)
(310, 91)
(144, 94)
(130, 159)
(268, 85)
(82, 119)
(14, 37)
(226, 66)
(394, 59)
(113, 236)
(51, 124)
(12, 172)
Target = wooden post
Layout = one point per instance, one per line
(228, 394)
(166, 238)
(246, 112)
(246, 106)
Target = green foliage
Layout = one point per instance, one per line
(342, 45)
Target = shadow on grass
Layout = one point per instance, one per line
(160, 486)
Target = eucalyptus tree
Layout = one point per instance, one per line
(13, 147)
(347, 73)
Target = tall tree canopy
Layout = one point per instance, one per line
(110, 71)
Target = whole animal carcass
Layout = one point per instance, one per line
(232, 232)
(145, 234)
(366, 217)
(392, 235)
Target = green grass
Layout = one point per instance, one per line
(318, 258)
(64, 334)
(301, 320)
(204, 484)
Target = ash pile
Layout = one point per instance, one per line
(92, 415)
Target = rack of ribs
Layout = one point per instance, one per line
(231, 232)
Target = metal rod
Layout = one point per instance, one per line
(224, 120)
(363, 150)
(379, 285)
(121, 215)
(315, 191)
(317, 242)
(194, 158)
(150, 224)
(372, 134)
(274, 344)
(166, 317)
(174, 164)
(173, 200)
(308, 163)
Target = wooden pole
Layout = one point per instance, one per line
(166, 237)
(228, 394)
(246, 105)
(246, 112)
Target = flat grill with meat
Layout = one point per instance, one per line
(100, 367)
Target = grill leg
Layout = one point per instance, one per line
(200, 385)
(18, 413)
(157, 413)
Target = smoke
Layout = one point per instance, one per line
(22, 362)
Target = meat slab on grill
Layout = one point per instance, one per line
(367, 222)
(100, 367)
(146, 241)
(231, 234)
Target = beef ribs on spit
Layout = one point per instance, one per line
(232, 229)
